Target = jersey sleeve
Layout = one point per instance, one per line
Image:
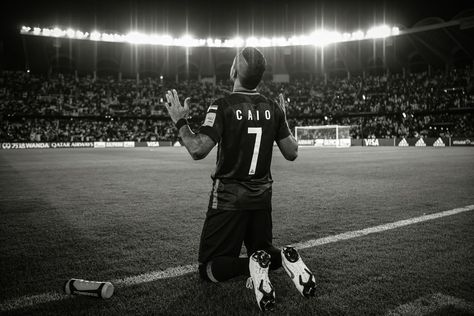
(213, 125)
(282, 129)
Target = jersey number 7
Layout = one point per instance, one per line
(256, 148)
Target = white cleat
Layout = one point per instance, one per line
(259, 263)
(299, 273)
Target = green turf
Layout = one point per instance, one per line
(113, 213)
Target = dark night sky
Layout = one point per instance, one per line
(222, 18)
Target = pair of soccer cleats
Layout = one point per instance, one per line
(299, 273)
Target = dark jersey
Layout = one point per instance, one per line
(245, 126)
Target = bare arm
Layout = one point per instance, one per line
(288, 145)
(198, 145)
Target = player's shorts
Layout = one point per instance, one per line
(225, 231)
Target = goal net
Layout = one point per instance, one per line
(323, 136)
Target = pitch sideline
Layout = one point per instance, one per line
(31, 300)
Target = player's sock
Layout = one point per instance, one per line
(224, 268)
(276, 257)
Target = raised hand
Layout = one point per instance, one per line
(174, 107)
(282, 102)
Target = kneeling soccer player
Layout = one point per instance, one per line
(244, 124)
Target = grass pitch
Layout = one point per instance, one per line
(113, 213)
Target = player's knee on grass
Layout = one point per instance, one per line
(203, 272)
(211, 272)
(221, 269)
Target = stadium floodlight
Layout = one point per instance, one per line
(279, 41)
(218, 42)
(346, 37)
(136, 38)
(381, 31)
(258, 42)
(46, 32)
(251, 41)
(318, 38)
(186, 41)
(106, 37)
(322, 38)
(95, 36)
(57, 32)
(214, 42)
(234, 42)
(165, 40)
(357, 35)
(299, 40)
(265, 42)
(238, 42)
(70, 33)
(82, 35)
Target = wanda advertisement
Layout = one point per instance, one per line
(58, 145)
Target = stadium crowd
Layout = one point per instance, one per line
(69, 108)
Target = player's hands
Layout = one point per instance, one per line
(174, 107)
(282, 102)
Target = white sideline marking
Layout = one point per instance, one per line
(379, 228)
(156, 275)
(31, 300)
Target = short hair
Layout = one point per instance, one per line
(251, 68)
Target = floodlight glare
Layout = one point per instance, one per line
(186, 41)
(379, 32)
(357, 35)
(322, 38)
(136, 38)
(95, 36)
(70, 33)
(279, 41)
(251, 41)
(318, 38)
(57, 32)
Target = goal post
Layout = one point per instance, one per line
(323, 136)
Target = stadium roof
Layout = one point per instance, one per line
(226, 18)
(446, 37)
